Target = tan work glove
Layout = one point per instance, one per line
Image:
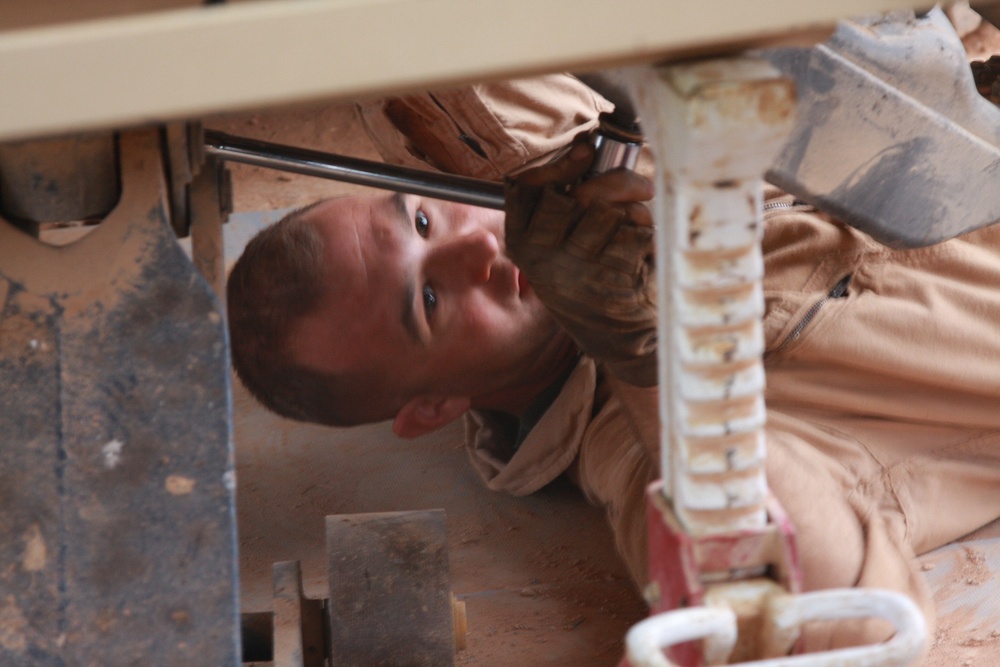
(586, 248)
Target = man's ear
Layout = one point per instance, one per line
(424, 414)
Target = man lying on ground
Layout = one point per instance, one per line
(883, 365)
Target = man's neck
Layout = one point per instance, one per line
(561, 357)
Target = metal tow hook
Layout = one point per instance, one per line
(646, 642)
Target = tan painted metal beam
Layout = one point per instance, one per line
(188, 63)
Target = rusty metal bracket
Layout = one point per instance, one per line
(297, 632)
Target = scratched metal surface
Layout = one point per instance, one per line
(116, 487)
(892, 136)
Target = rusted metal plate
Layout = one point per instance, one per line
(116, 483)
(390, 598)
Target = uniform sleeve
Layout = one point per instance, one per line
(613, 469)
(483, 130)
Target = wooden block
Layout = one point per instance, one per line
(390, 596)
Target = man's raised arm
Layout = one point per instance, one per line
(586, 248)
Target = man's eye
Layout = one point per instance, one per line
(422, 223)
(430, 300)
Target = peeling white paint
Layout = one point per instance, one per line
(180, 485)
(229, 480)
(36, 554)
(12, 626)
(112, 452)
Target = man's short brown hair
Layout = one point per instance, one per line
(279, 279)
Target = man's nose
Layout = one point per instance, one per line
(469, 257)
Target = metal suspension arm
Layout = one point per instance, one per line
(474, 191)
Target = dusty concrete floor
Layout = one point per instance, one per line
(539, 575)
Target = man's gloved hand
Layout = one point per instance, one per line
(586, 248)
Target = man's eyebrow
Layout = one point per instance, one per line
(409, 314)
(399, 206)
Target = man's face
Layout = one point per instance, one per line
(420, 292)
